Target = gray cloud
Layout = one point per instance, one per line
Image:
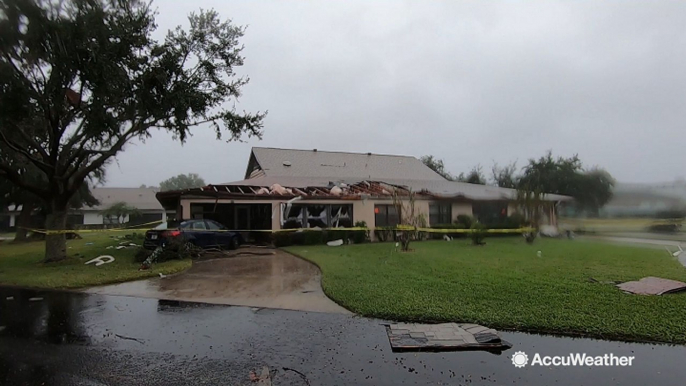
(469, 82)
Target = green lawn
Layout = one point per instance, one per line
(20, 264)
(505, 285)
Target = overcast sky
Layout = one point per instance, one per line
(469, 82)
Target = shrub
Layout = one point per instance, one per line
(176, 249)
(282, 239)
(465, 220)
(314, 237)
(665, 228)
(478, 234)
(360, 237)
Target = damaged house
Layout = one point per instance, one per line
(286, 188)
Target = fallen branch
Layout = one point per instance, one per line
(129, 338)
(307, 382)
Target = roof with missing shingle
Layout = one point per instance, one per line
(308, 168)
(333, 165)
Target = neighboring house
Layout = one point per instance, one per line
(142, 199)
(309, 188)
(645, 200)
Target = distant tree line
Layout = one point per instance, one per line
(590, 187)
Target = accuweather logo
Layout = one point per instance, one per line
(520, 359)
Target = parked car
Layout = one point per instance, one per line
(201, 233)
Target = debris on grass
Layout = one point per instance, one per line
(335, 243)
(652, 286)
(36, 299)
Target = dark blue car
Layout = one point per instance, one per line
(201, 233)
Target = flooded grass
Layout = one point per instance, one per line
(21, 264)
(505, 285)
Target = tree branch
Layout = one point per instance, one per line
(40, 164)
(16, 179)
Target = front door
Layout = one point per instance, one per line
(242, 217)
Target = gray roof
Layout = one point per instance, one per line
(141, 198)
(340, 166)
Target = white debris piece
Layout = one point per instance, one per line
(447, 238)
(276, 188)
(133, 245)
(538, 254)
(121, 247)
(110, 247)
(35, 299)
(336, 191)
(263, 191)
(100, 260)
(162, 276)
(335, 243)
(9, 298)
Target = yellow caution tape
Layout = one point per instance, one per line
(397, 228)
(122, 229)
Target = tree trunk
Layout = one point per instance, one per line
(23, 222)
(56, 244)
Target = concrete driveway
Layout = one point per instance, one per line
(272, 279)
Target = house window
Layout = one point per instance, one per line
(440, 214)
(317, 216)
(341, 216)
(490, 213)
(110, 220)
(386, 216)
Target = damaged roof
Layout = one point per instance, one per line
(273, 162)
(436, 188)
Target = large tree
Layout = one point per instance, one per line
(79, 79)
(506, 176)
(182, 181)
(436, 164)
(591, 189)
(475, 176)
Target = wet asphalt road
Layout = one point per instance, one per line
(64, 338)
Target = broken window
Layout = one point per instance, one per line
(341, 216)
(317, 216)
(293, 216)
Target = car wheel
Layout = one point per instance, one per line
(233, 244)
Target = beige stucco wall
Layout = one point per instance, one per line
(511, 208)
(363, 210)
(461, 208)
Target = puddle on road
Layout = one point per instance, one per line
(328, 348)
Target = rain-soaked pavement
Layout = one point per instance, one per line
(68, 338)
(266, 278)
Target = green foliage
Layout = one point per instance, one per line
(464, 220)
(81, 79)
(182, 181)
(591, 189)
(21, 264)
(436, 164)
(475, 176)
(313, 237)
(506, 176)
(282, 239)
(478, 233)
(506, 286)
(120, 210)
(175, 249)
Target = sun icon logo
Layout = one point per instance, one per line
(519, 359)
